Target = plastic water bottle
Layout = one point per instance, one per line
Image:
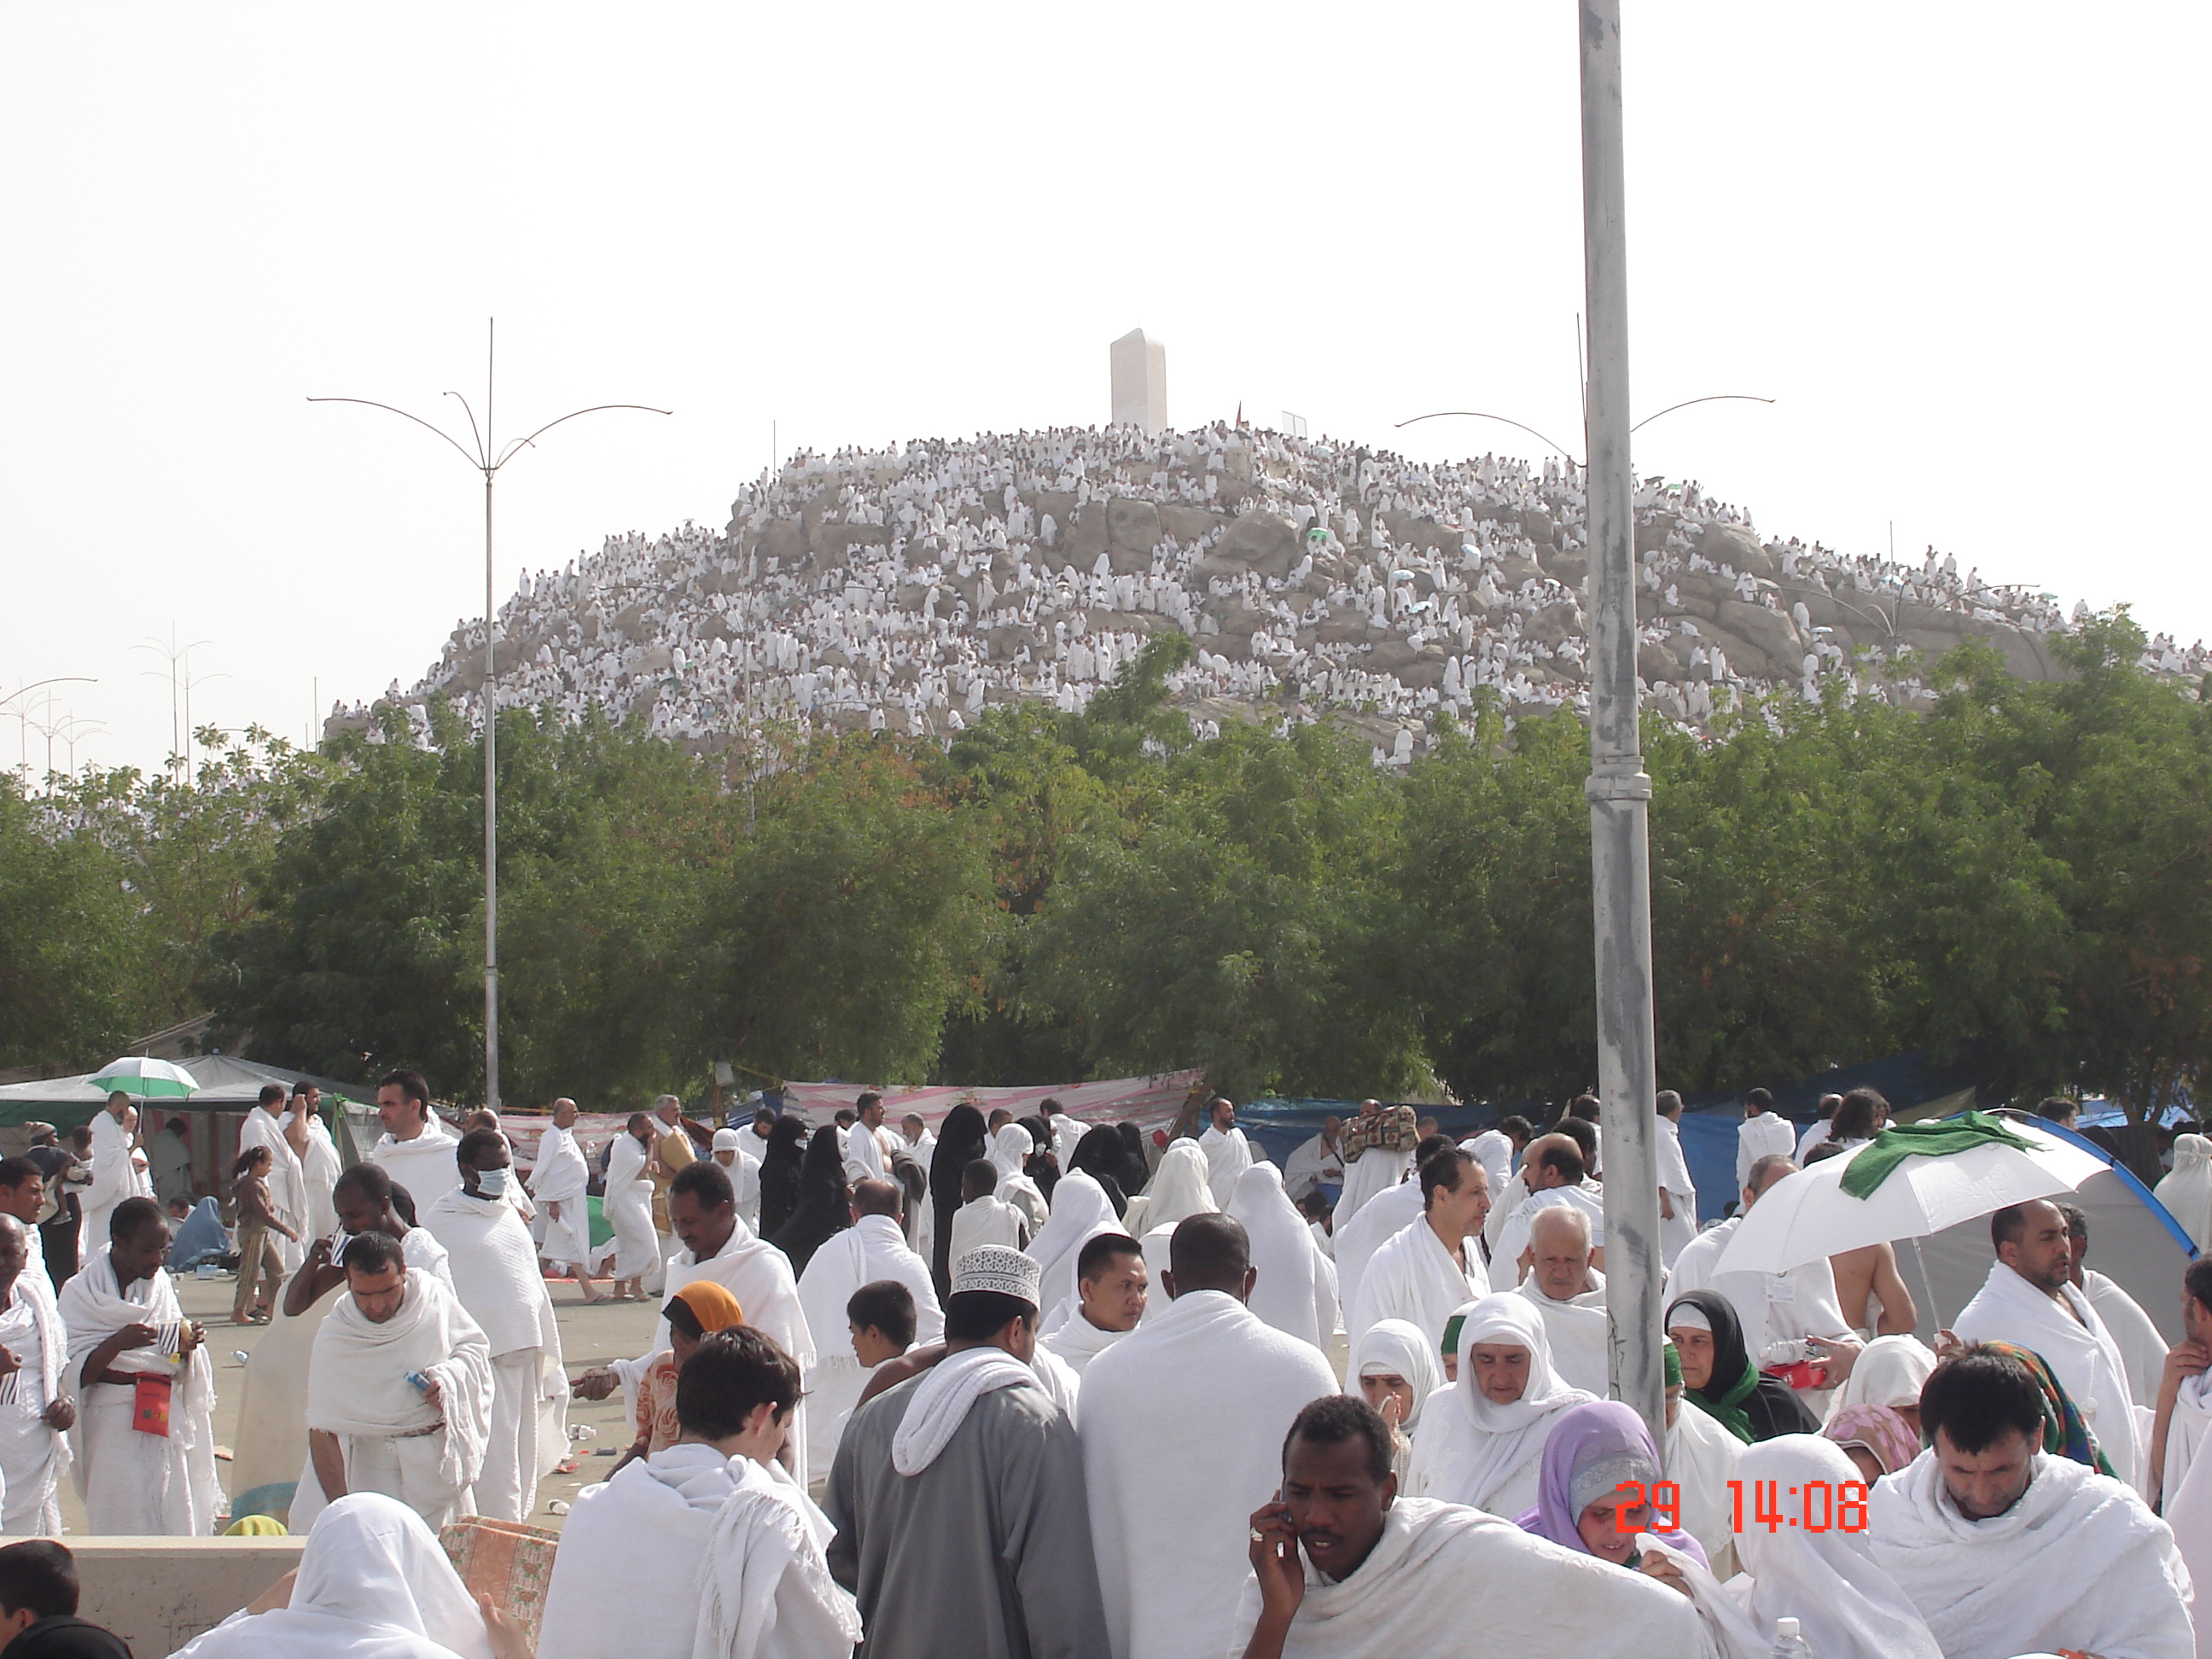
(1788, 1643)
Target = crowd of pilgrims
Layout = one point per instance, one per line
(911, 588)
(1037, 1387)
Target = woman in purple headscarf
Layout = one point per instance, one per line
(1592, 1450)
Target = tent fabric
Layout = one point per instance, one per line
(227, 1083)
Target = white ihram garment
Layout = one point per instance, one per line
(1578, 1329)
(562, 1176)
(374, 1584)
(1471, 1450)
(320, 1168)
(134, 1484)
(32, 1456)
(759, 1276)
(981, 1222)
(1446, 1579)
(1172, 1480)
(1228, 1155)
(1846, 1607)
(357, 1389)
(1295, 1291)
(1766, 1135)
(1375, 1170)
(1384, 1216)
(1413, 1278)
(1701, 1460)
(1080, 1211)
(628, 1210)
(2078, 1348)
(718, 1536)
(1505, 1250)
(494, 1271)
(426, 1166)
(111, 1183)
(2080, 1562)
(1677, 1230)
(864, 1155)
(872, 1248)
(1178, 1189)
(2186, 1189)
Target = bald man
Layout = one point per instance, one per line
(1170, 1487)
(1569, 1290)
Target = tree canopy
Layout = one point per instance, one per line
(2018, 882)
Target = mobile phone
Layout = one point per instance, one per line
(339, 1240)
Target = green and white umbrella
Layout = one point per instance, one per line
(136, 1074)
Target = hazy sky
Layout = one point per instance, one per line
(1962, 246)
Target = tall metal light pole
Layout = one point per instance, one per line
(1620, 791)
(23, 715)
(487, 459)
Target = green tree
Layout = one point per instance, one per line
(70, 933)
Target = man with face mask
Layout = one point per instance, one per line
(495, 1268)
(1344, 1567)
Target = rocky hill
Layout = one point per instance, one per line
(913, 588)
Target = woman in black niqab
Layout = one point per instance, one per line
(960, 1141)
(825, 1202)
(779, 1175)
(1100, 1155)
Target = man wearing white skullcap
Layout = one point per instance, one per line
(958, 1495)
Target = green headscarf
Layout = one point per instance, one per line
(1734, 1379)
(2065, 1433)
(1673, 1356)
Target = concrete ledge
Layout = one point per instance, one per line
(159, 1593)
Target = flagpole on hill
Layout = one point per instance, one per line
(487, 459)
(1619, 789)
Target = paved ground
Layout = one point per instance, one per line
(589, 1336)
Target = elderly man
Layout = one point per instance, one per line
(1434, 1265)
(1344, 1568)
(1316, 1163)
(562, 1182)
(1110, 1288)
(399, 1391)
(36, 1411)
(2030, 1299)
(1571, 1295)
(1169, 1487)
(864, 1146)
(873, 1248)
(958, 1495)
(1228, 1154)
(495, 1274)
(416, 1150)
(1552, 1172)
(1773, 1307)
(133, 1358)
(2005, 1548)
(919, 1138)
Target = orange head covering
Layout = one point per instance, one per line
(714, 1308)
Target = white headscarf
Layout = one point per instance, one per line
(1011, 1148)
(1484, 1445)
(2187, 1191)
(1846, 1607)
(1179, 1187)
(1296, 1290)
(373, 1579)
(1080, 1211)
(1395, 1347)
(1889, 1372)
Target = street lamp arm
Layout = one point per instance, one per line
(520, 444)
(1477, 415)
(1717, 398)
(473, 431)
(472, 461)
(59, 679)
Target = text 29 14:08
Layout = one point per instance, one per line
(1821, 1505)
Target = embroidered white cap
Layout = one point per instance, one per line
(996, 1268)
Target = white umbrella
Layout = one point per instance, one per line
(1808, 1215)
(137, 1074)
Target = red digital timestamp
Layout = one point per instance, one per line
(1822, 1505)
